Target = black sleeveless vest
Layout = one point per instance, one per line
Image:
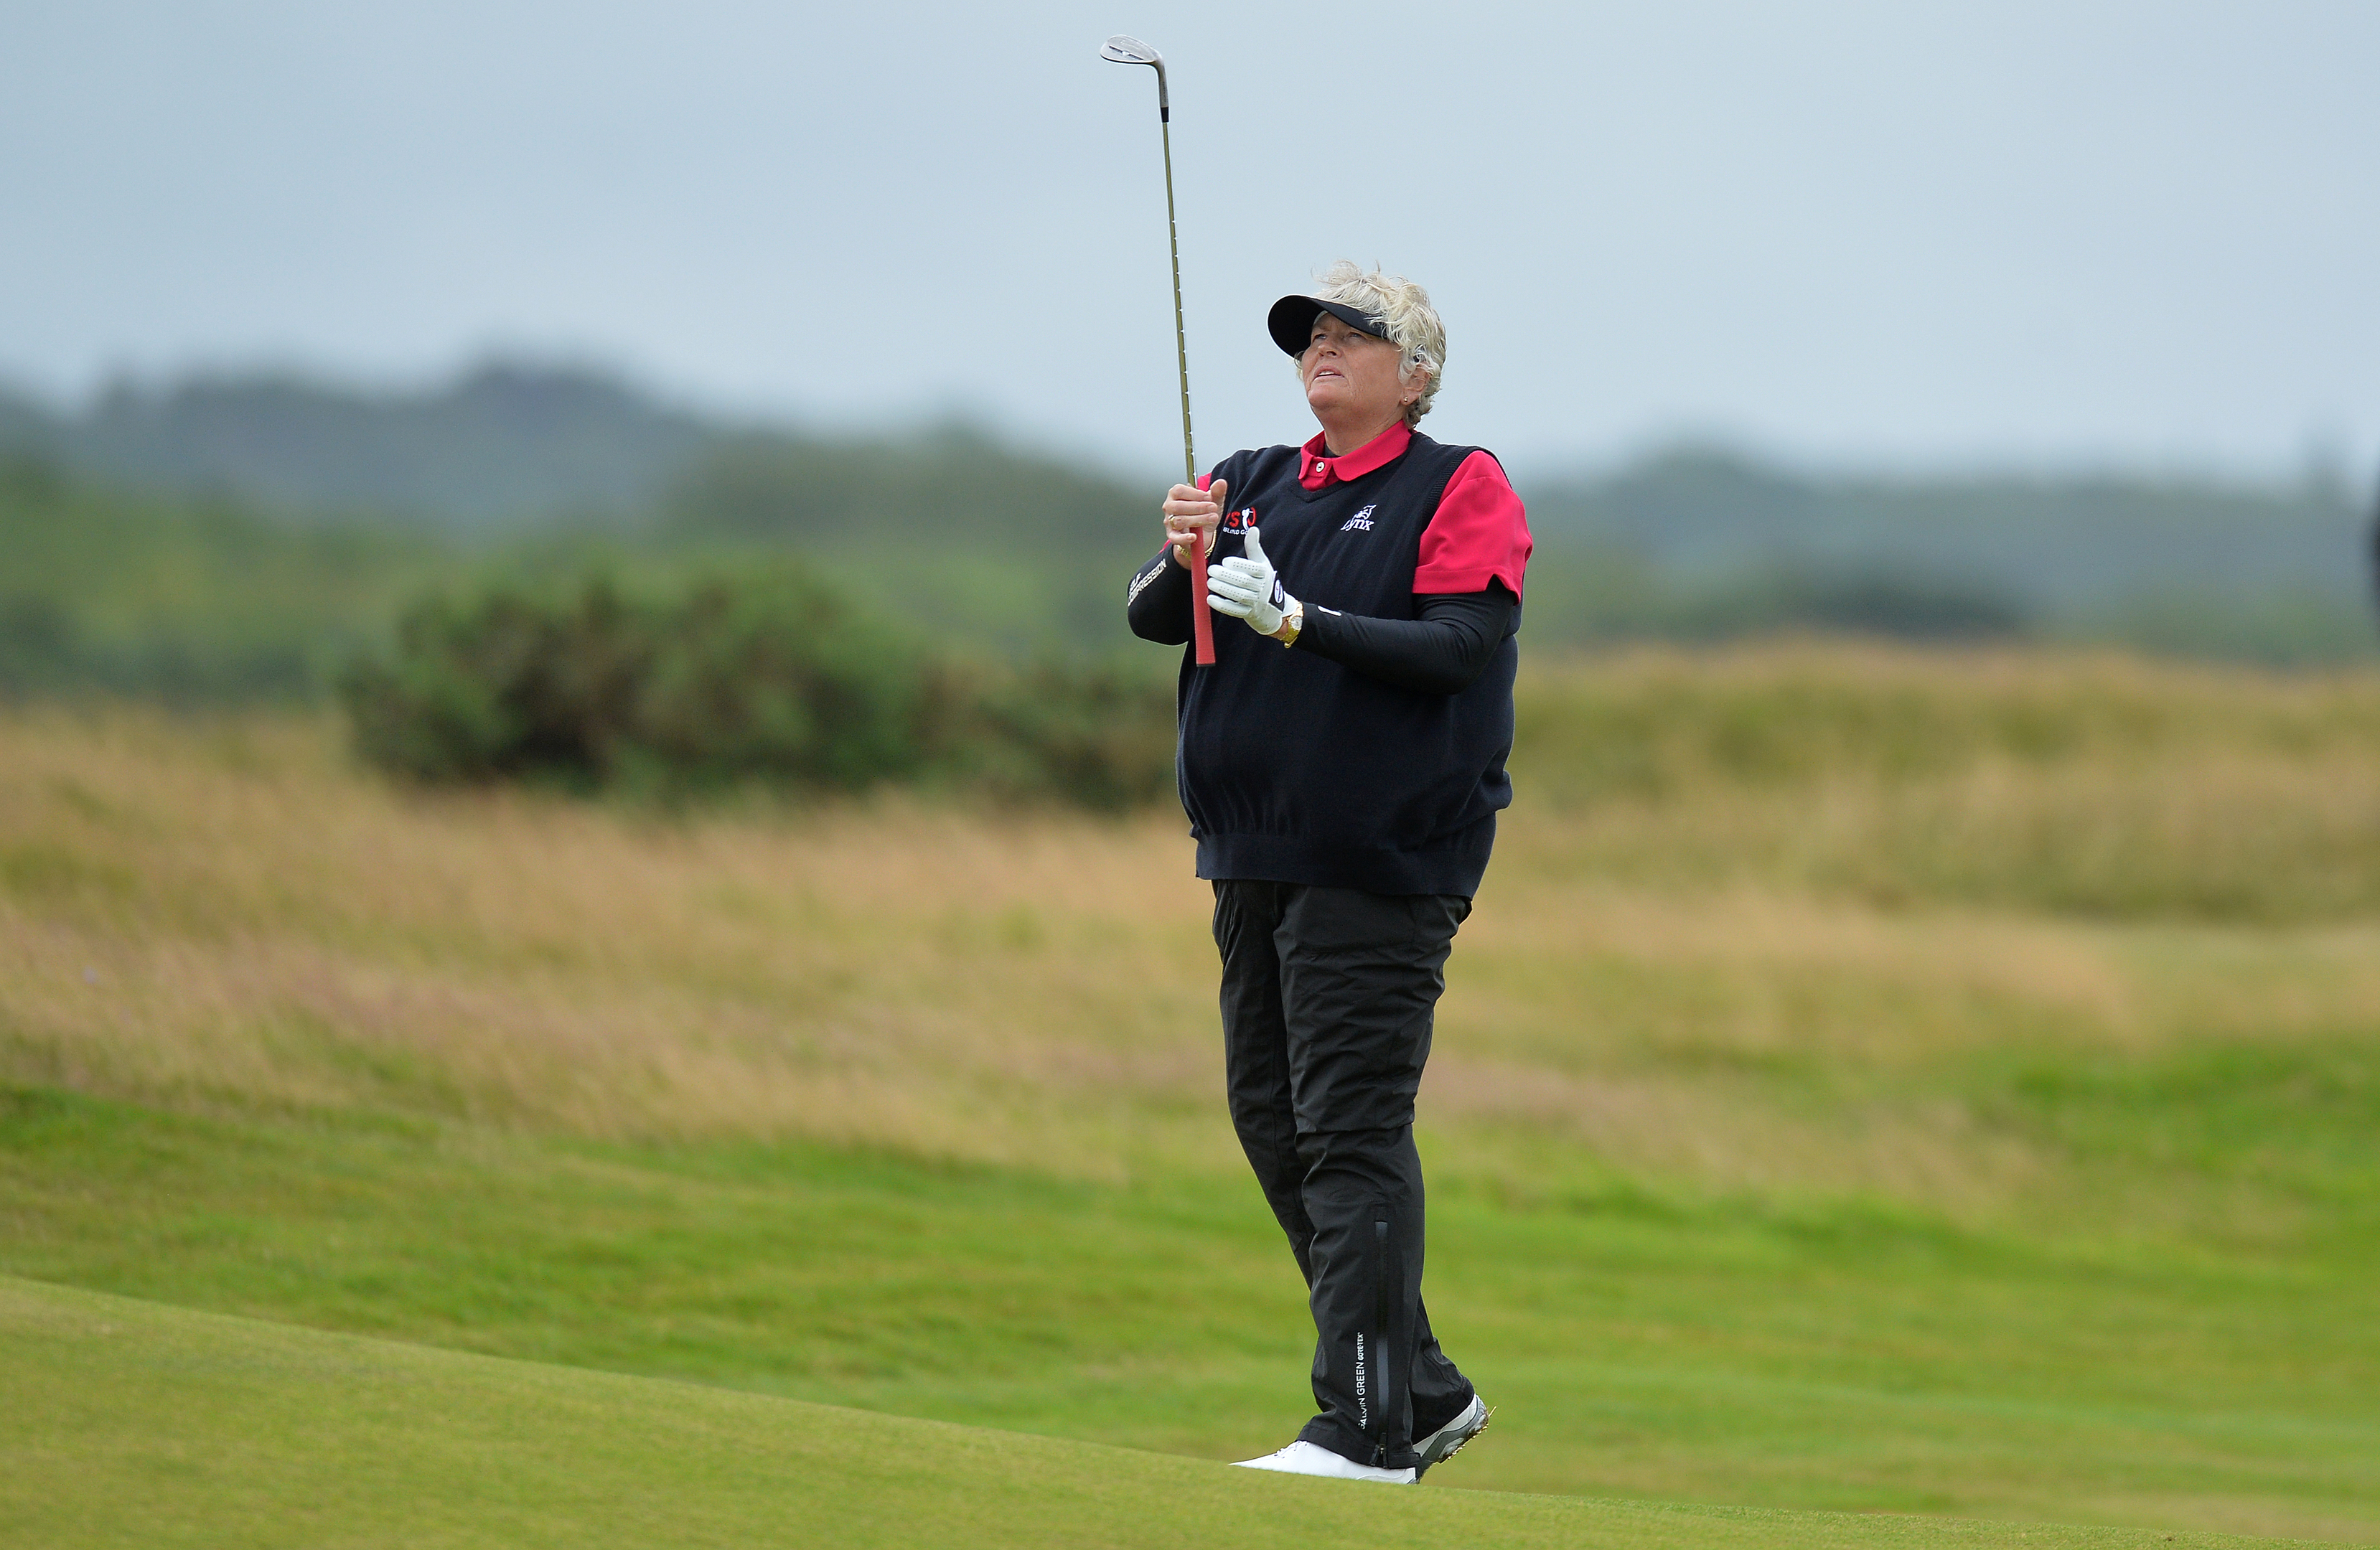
(1296, 770)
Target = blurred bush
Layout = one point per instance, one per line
(1597, 594)
(772, 676)
(1099, 737)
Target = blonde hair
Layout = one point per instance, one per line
(1403, 311)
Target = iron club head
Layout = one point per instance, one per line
(1120, 50)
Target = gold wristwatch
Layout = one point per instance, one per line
(1293, 620)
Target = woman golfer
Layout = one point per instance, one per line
(1343, 763)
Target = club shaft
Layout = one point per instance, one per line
(1202, 626)
(1181, 332)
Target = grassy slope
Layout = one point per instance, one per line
(1877, 1082)
(1840, 1359)
(199, 601)
(132, 1422)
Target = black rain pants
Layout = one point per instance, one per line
(1327, 999)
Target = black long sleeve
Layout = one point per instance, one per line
(1157, 603)
(1443, 652)
(1440, 653)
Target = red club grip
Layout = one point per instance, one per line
(1202, 618)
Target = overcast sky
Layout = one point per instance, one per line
(1900, 233)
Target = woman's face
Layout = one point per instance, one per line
(1351, 376)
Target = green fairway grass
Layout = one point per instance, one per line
(1831, 1359)
(128, 1423)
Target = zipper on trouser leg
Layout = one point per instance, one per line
(1379, 1340)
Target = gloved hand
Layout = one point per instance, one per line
(1245, 588)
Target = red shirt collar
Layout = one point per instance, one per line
(1317, 467)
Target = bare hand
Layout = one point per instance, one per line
(1192, 515)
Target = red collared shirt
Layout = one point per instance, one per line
(1480, 532)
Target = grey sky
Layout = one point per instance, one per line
(1905, 233)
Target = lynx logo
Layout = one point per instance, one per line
(1361, 522)
(1239, 521)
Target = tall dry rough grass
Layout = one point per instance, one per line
(1762, 921)
(2086, 785)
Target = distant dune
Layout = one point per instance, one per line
(1687, 543)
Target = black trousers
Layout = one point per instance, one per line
(1327, 998)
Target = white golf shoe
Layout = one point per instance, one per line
(1305, 1458)
(1448, 1440)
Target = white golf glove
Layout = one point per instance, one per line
(1245, 588)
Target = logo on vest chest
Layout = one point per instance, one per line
(1361, 522)
(1239, 521)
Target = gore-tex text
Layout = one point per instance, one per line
(1140, 583)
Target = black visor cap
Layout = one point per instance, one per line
(1291, 321)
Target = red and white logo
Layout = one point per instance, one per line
(1240, 521)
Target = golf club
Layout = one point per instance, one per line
(1120, 50)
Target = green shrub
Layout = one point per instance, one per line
(1094, 736)
(773, 677)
